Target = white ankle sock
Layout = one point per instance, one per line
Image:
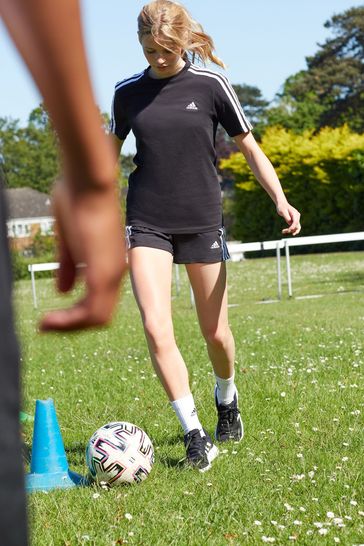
(186, 412)
(225, 390)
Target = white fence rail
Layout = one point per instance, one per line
(286, 244)
(237, 251)
(33, 268)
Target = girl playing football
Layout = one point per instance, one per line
(174, 211)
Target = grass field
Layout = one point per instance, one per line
(297, 477)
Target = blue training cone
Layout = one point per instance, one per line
(49, 466)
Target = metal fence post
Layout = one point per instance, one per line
(278, 253)
(288, 265)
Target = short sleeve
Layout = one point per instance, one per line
(229, 111)
(119, 124)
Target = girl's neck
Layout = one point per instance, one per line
(168, 74)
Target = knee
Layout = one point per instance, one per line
(159, 333)
(217, 337)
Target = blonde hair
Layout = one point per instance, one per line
(172, 27)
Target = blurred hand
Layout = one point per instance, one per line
(90, 232)
(291, 216)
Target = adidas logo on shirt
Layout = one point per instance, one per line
(215, 245)
(191, 106)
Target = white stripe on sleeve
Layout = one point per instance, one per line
(229, 91)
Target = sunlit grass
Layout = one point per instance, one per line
(296, 477)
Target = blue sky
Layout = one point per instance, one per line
(262, 42)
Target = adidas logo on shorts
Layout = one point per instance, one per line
(191, 106)
(215, 245)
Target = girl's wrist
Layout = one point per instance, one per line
(281, 201)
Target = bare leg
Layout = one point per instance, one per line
(209, 286)
(151, 276)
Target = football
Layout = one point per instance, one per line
(119, 453)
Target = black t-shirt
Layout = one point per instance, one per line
(175, 187)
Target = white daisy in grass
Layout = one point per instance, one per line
(298, 477)
(323, 531)
(268, 539)
(257, 522)
(128, 516)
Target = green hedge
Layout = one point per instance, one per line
(322, 175)
(20, 266)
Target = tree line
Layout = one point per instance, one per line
(314, 135)
(312, 131)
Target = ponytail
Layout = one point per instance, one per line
(172, 27)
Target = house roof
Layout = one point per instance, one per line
(28, 203)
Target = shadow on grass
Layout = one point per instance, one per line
(351, 276)
(168, 442)
(76, 453)
(338, 280)
(171, 462)
(76, 449)
(329, 293)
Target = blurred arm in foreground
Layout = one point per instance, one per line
(49, 37)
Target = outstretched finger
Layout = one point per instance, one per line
(79, 316)
(95, 308)
(66, 275)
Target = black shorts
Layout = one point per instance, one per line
(186, 248)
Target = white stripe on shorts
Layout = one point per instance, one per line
(224, 248)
